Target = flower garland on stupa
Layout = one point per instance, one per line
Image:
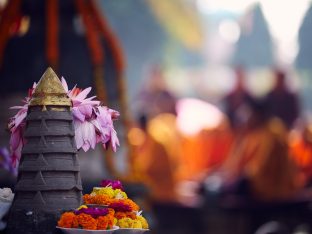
(93, 122)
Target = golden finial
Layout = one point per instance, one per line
(49, 91)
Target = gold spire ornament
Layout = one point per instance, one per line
(49, 91)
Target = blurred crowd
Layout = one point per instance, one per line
(254, 150)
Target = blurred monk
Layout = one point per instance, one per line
(262, 157)
(158, 157)
(301, 151)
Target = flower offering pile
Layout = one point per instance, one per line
(112, 195)
(130, 220)
(90, 218)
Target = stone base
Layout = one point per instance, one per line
(33, 222)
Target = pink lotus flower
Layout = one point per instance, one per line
(6, 162)
(17, 126)
(93, 123)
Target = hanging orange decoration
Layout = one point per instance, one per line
(52, 33)
(108, 36)
(10, 14)
(93, 40)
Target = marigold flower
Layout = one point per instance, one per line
(103, 223)
(68, 220)
(87, 199)
(103, 191)
(143, 222)
(136, 223)
(121, 214)
(119, 194)
(101, 199)
(125, 223)
(87, 222)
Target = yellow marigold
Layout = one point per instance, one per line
(105, 190)
(87, 221)
(67, 220)
(115, 221)
(136, 224)
(119, 194)
(125, 223)
(82, 207)
(143, 221)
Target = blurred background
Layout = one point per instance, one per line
(214, 95)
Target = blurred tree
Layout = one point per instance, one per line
(141, 36)
(254, 47)
(155, 35)
(305, 36)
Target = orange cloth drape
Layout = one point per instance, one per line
(52, 33)
(262, 155)
(92, 35)
(9, 15)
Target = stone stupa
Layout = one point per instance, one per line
(49, 180)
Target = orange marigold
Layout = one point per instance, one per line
(106, 222)
(67, 220)
(100, 199)
(132, 204)
(87, 221)
(87, 199)
(121, 214)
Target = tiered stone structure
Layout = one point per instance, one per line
(49, 180)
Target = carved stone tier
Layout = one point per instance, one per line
(49, 180)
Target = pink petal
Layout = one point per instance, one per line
(76, 102)
(83, 94)
(16, 153)
(78, 134)
(114, 140)
(15, 160)
(64, 83)
(92, 102)
(15, 140)
(85, 147)
(90, 135)
(70, 92)
(77, 114)
(17, 107)
(19, 119)
(114, 114)
(86, 110)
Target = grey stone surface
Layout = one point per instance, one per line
(49, 180)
